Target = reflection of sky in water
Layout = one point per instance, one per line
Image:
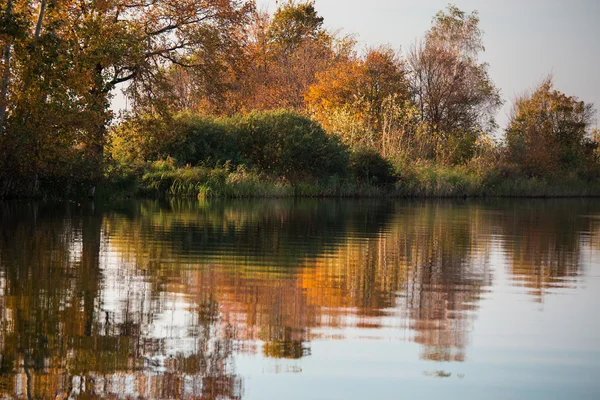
(517, 349)
(412, 300)
(169, 317)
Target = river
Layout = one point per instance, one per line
(300, 299)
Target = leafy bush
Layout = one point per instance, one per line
(203, 140)
(368, 165)
(279, 143)
(141, 139)
(286, 143)
(186, 138)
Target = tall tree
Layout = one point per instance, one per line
(284, 56)
(293, 23)
(452, 89)
(87, 48)
(549, 132)
(353, 97)
(277, 59)
(8, 31)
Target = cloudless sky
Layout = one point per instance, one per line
(525, 39)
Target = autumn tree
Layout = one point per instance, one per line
(204, 78)
(548, 132)
(157, 34)
(285, 54)
(452, 90)
(45, 118)
(272, 66)
(8, 34)
(356, 96)
(294, 23)
(72, 57)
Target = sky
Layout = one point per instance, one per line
(525, 40)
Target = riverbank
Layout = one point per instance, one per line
(423, 181)
(285, 154)
(419, 180)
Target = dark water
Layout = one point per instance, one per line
(301, 300)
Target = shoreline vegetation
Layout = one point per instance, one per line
(188, 183)
(279, 154)
(230, 102)
(428, 181)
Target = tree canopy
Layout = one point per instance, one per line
(548, 131)
(63, 60)
(452, 90)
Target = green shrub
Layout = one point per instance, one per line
(203, 140)
(141, 139)
(187, 139)
(284, 143)
(279, 143)
(369, 166)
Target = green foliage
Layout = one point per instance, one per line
(284, 143)
(279, 143)
(544, 187)
(67, 59)
(140, 139)
(186, 138)
(204, 140)
(369, 166)
(459, 147)
(430, 110)
(293, 23)
(164, 179)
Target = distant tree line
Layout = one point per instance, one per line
(183, 63)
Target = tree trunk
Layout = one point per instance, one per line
(4, 91)
(5, 75)
(97, 136)
(7, 57)
(38, 26)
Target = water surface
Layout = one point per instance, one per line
(300, 299)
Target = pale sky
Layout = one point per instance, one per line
(525, 39)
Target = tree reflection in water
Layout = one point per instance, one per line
(153, 300)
